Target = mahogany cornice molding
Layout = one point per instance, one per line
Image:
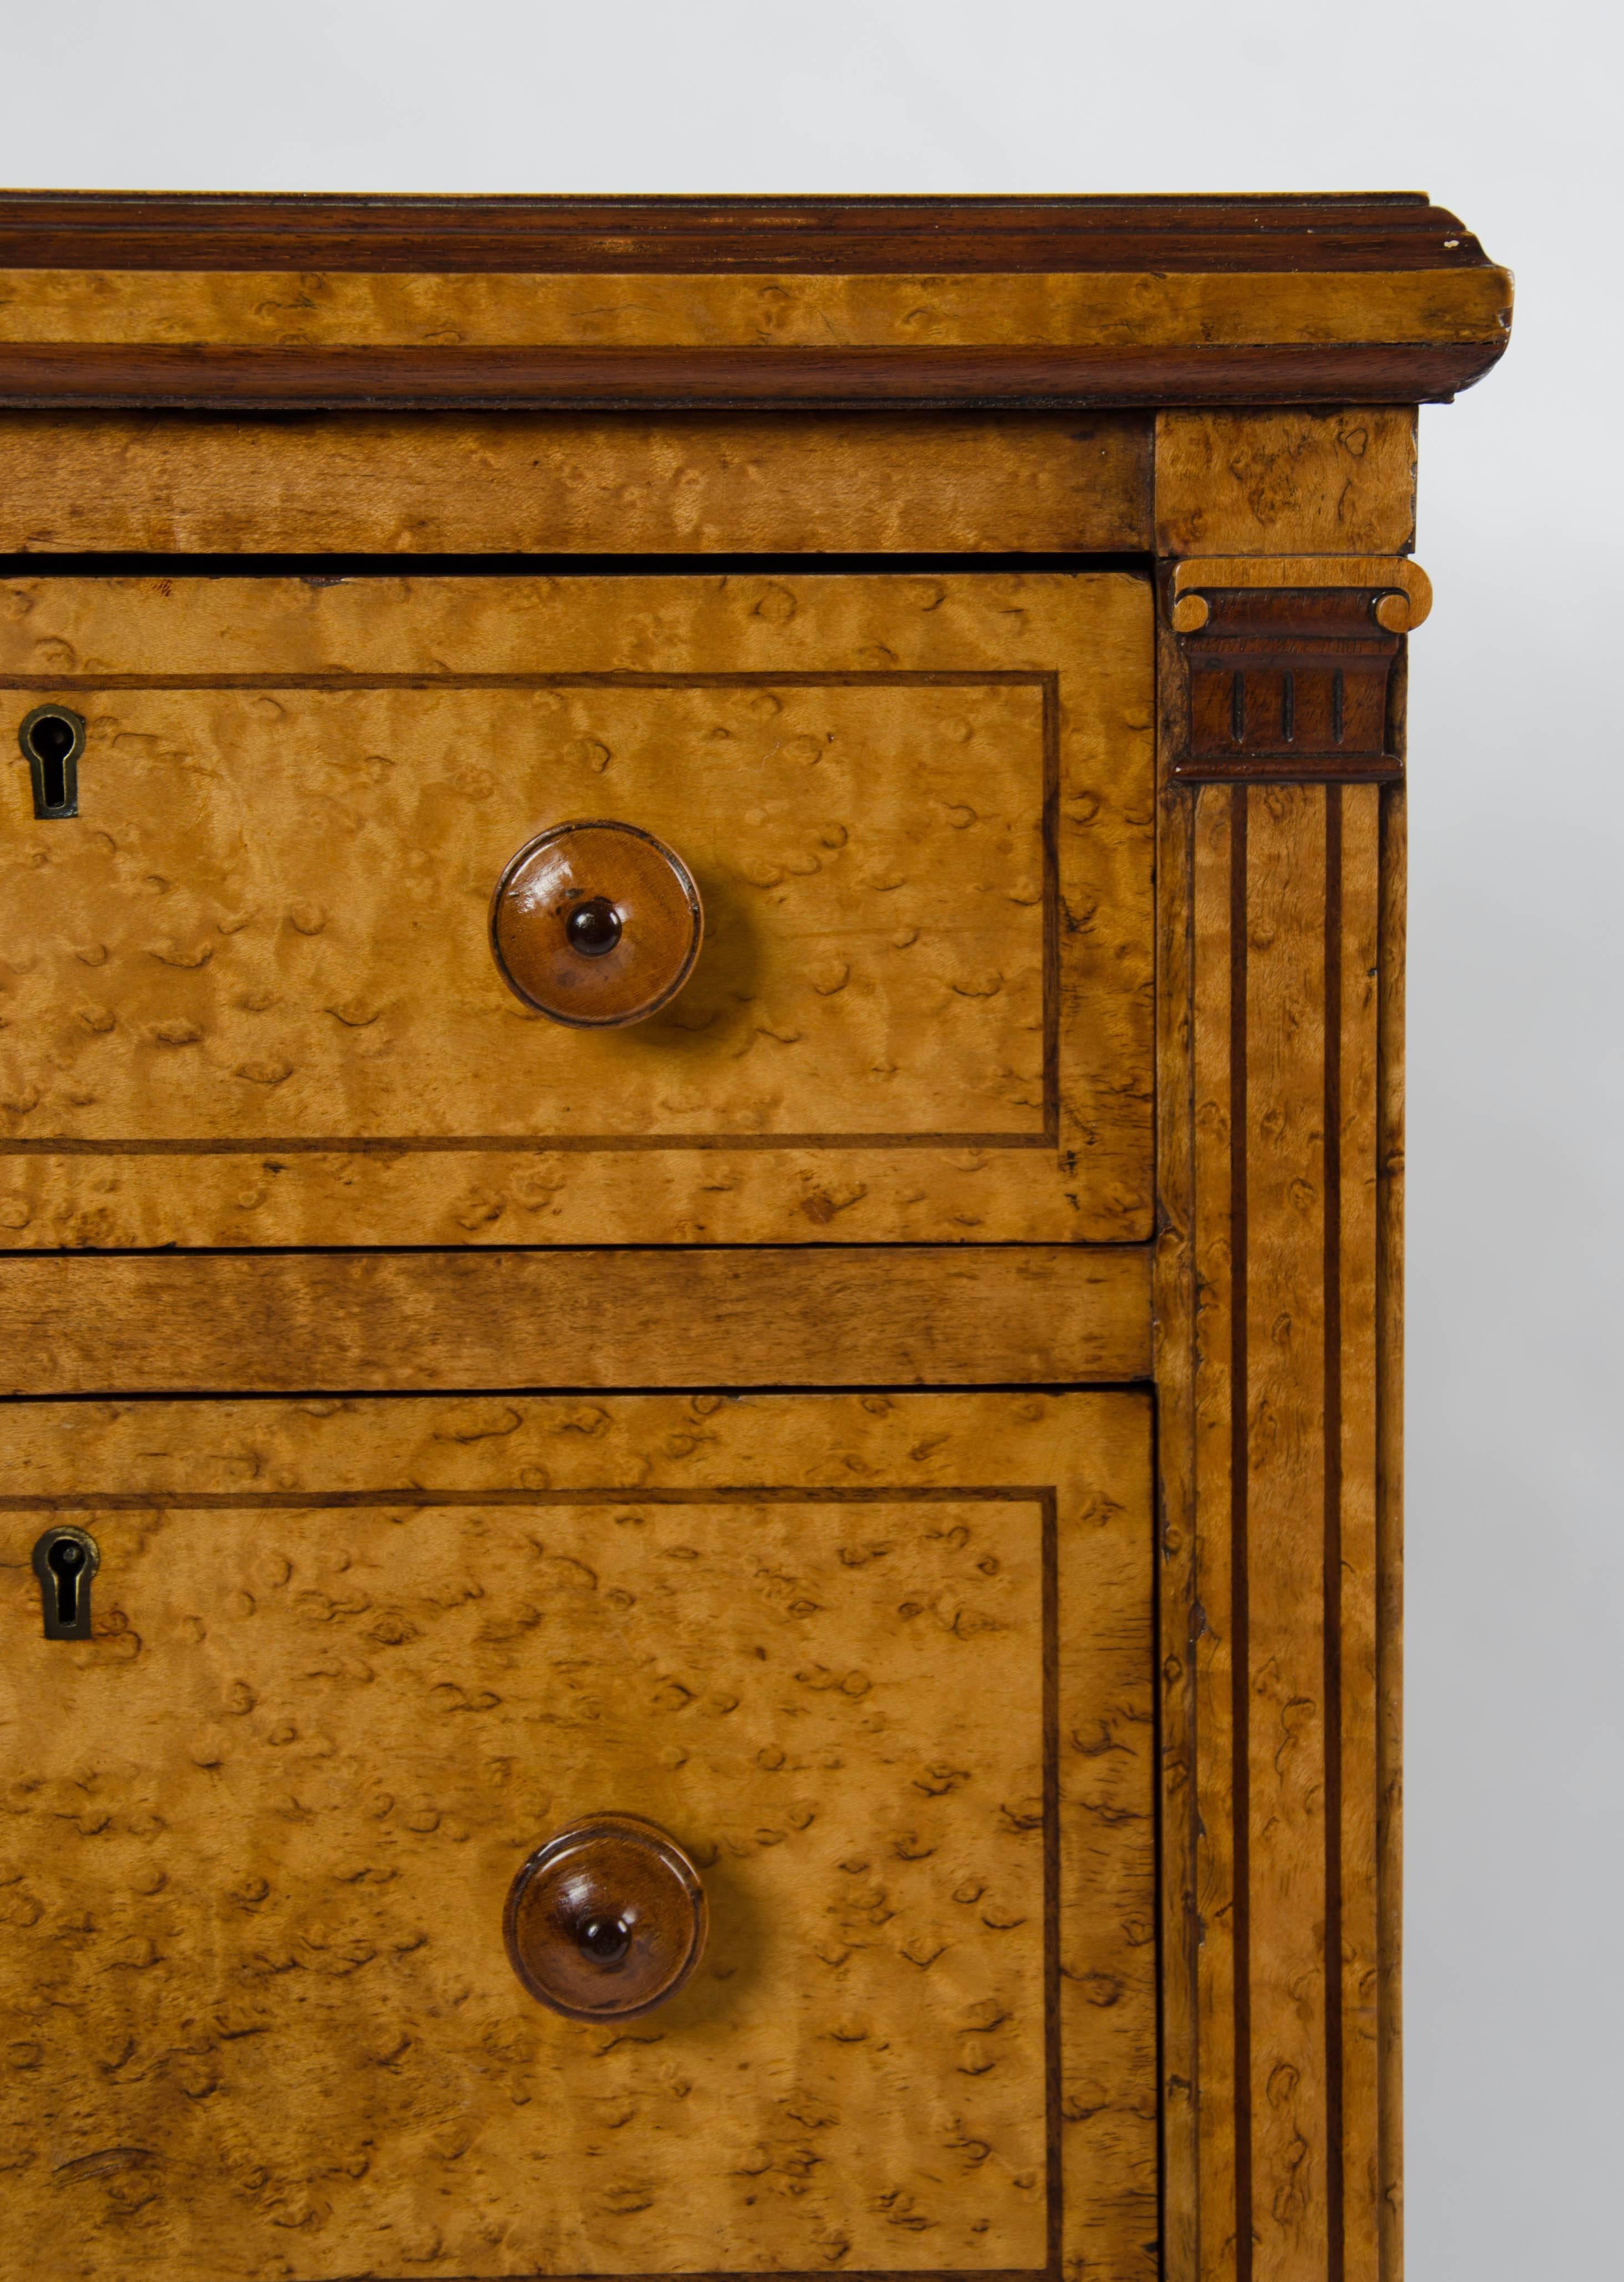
(254, 303)
(138, 230)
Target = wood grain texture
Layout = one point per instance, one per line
(183, 335)
(318, 968)
(1390, 1530)
(705, 483)
(837, 1316)
(261, 2020)
(1174, 1302)
(1394, 230)
(1287, 984)
(1277, 1308)
(181, 309)
(1286, 482)
(919, 811)
(1352, 1552)
(1215, 1808)
(1286, 1460)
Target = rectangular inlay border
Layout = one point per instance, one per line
(1045, 1497)
(1047, 683)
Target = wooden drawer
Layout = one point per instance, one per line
(257, 1004)
(883, 1664)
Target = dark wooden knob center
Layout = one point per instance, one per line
(597, 925)
(594, 927)
(607, 1919)
(607, 1939)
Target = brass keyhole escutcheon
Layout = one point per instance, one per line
(607, 1920)
(596, 924)
(64, 1561)
(53, 738)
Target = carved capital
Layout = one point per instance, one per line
(1288, 665)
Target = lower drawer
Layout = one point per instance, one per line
(881, 1665)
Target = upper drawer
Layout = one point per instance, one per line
(249, 993)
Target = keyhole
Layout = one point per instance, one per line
(65, 1562)
(52, 739)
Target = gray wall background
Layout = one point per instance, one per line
(1516, 1599)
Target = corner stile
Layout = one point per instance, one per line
(1277, 1318)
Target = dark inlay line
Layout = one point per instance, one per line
(712, 2274)
(517, 1144)
(1288, 707)
(316, 1501)
(1049, 828)
(1335, 2183)
(334, 568)
(1163, 1837)
(1283, 768)
(1055, 2180)
(899, 677)
(156, 1398)
(1240, 1604)
(733, 2274)
(1071, 1251)
(1047, 683)
(1238, 706)
(1337, 696)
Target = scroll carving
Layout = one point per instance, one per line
(1288, 667)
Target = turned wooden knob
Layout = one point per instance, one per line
(606, 1920)
(596, 924)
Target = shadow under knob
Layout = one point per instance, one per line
(596, 924)
(607, 1920)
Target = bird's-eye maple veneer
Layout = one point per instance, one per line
(701, 1515)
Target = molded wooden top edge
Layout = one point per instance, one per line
(809, 304)
(90, 229)
(694, 311)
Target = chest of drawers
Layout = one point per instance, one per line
(700, 1102)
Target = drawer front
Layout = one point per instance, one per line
(252, 997)
(349, 1663)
